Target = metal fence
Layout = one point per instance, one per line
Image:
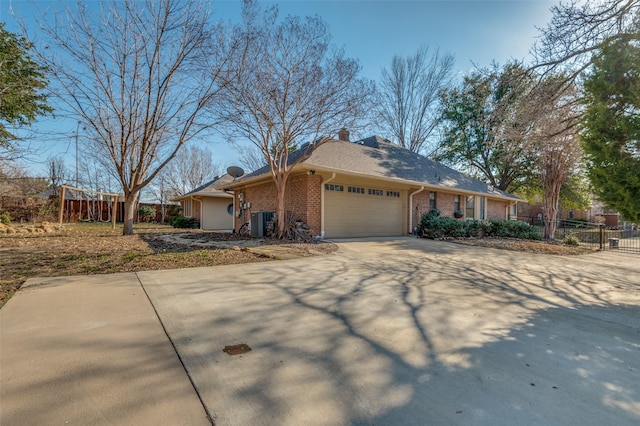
(622, 239)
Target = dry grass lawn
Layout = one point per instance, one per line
(95, 248)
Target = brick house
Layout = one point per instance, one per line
(370, 187)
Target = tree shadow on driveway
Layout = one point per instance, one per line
(410, 332)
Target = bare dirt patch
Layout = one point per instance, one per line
(83, 248)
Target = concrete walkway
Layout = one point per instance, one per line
(90, 350)
(396, 331)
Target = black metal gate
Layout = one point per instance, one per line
(624, 239)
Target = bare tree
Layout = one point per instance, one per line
(131, 75)
(554, 143)
(162, 193)
(251, 157)
(579, 29)
(58, 173)
(191, 167)
(408, 97)
(287, 85)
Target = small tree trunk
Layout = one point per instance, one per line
(280, 211)
(130, 201)
(551, 213)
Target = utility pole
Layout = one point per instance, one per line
(77, 131)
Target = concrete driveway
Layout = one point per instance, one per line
(407, 331)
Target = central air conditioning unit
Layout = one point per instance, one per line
(259, 222)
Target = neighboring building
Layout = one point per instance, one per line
(210, 205)
(533, 213)
(596, 213)
(369, 188)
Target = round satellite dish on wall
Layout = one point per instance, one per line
(235, 171)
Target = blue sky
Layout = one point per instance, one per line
(475, 32)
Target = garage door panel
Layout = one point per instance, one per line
(362, 215)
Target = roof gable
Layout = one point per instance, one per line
(210, 189)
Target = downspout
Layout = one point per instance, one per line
(233, 214)
(333, 176)
(411, 208)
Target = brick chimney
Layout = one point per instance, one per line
(343, 135)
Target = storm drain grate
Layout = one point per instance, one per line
(242, 348)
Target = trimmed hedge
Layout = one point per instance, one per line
(184, 222)
(432, 226)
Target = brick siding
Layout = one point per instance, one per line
(302, 199)
(444, 203)
(496, 209)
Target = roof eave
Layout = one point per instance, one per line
(408, 182)
(310, 166)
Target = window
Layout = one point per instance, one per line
(355, 190)
(432, 201)
(376, 191)
(395, 194)
(483, 207)
(456, 203)
(332, 187)
(471, 203)
(187, 208)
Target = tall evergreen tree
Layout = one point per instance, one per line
(22, 80)
(611, 134)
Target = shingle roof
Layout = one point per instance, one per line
(377, 157)
(210, 189)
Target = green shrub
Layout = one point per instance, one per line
(184, 222)
(147, 212)
(433, 227)
(531, 235)
(5, 219)
(474, 228)
(571, 240)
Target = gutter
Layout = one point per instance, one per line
(322, 214)
(411, 208)
(436, 187)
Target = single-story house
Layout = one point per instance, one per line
(370, 187)
(210, 205)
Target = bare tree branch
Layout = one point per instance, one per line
(578, 29)
(287, 85)
(191, 167)
(408, 102)
(133, 77)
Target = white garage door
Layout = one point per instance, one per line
(361, 211)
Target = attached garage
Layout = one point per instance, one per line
(363, 211)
